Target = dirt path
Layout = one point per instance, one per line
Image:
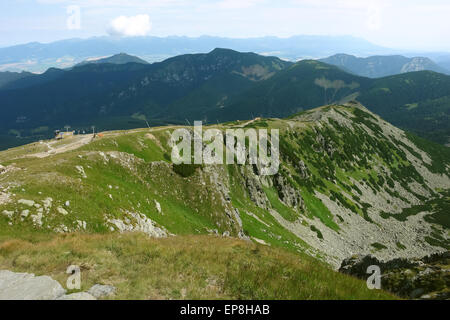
(81, 140)
(75, 143)
(246, 123)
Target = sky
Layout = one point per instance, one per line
(400, 24)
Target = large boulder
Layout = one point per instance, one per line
(25, 286)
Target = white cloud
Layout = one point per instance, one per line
(139, 25)
(237, 4)
(391, 23)
(374, 13)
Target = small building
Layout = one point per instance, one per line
(59, 135)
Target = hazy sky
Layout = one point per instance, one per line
(406, 24)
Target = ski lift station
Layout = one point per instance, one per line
(59, 135)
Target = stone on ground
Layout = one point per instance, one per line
(99, 290)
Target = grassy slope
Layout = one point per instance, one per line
(191, 267)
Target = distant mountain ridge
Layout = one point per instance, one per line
(222, 85)
(121, 58)
(122, 94)
(38, 57)
(8, 77)
(382, 66)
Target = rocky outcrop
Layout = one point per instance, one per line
(26, 286)
(255, 190)
(8, 169)
(302, 170)
(5, 197)
(216, 176)
(425, 278)
(324, 145)
(287, 193)
(136, 222)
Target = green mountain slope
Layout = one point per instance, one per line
(415, 101)
(121, 58)
(7, 77)
(50, 75)
(302, 86)
(122, 96)
(348, 182)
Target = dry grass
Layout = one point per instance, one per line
(188, 267)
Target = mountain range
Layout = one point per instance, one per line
(38, 57)
(95, 93)
(382, 66)
(121, 58)
(223, 85)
